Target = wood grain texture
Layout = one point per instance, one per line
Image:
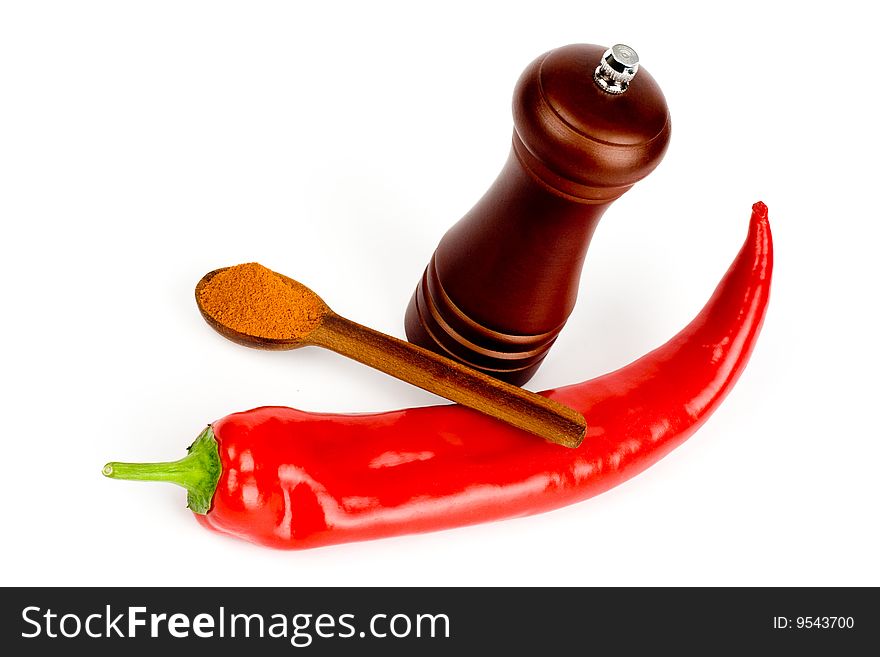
(442, 376)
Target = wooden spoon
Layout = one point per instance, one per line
(420, 367)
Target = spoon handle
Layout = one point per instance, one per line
(442, 376)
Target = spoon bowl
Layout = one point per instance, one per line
(257, 341)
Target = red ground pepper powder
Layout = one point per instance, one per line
(252, 299)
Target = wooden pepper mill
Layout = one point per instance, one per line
(588, 124)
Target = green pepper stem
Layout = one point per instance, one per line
(184, 472)
(198, 472)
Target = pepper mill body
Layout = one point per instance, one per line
(504, 279)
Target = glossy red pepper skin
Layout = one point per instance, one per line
(293, 479)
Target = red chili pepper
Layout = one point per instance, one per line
(290, 479)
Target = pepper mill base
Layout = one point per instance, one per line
(432, 321)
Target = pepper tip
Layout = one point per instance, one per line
(759, 209)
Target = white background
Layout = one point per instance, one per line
(143, 144)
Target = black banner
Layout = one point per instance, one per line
(436, 621)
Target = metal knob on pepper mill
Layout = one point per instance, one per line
(588, 124)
